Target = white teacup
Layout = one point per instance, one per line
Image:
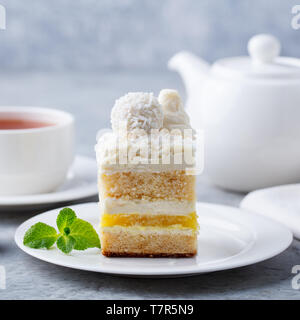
(35, 160)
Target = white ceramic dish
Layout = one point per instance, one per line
(81, 182)
(280, 203)
(229, 238)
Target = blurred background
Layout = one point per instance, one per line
(88, 35)
(80, 55)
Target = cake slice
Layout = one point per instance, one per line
(146, 189)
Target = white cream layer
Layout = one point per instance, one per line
(159, 207)
(151, 230)
(160, 152)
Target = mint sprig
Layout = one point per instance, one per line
(73, 233)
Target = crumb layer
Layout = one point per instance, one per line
(132, 241)
(169, 185)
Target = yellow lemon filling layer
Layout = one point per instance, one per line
(129, 220)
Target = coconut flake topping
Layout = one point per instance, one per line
(135, 111)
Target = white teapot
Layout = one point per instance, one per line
(249, 108)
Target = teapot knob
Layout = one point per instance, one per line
(263, 48)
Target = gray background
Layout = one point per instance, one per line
(89, 35)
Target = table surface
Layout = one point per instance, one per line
(89, 97)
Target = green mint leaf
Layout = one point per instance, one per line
(40, 235)
(84, 235)
(74, 234)
(64, 219)
(65, 243)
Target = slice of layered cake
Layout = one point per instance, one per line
(146, 184)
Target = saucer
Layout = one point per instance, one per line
(80, 183)
(281, 203)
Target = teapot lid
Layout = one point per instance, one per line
(263, 61)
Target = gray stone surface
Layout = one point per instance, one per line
(93, 34)
(89, 97)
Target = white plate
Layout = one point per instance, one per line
(229, 238)
(81, 183)
(280, 203)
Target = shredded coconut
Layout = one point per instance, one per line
(137, 110)
(140, 114)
